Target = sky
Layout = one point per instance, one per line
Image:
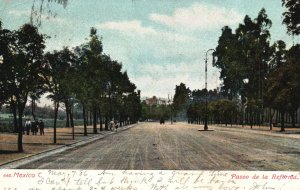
(160, 43)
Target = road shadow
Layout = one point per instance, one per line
(9, 152)
(288, 132)
(44, 144)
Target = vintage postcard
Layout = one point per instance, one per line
(161, 94)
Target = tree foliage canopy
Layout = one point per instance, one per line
(292, 16)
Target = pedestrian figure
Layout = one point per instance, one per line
(37, 127)
(28, 126)
(34, 127)
(42, 126)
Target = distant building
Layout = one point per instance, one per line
(155, 101)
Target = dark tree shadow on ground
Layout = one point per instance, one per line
(9, 152)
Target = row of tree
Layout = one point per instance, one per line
(192, 106)
(220, 109)
(261, 74)
(155, 112)
(260, 80)
(83, 75)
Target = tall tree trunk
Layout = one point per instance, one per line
(56, 106)
(87, 117)
(106, 122)
(258, 118)
(20, 128)
(67, 113)
(251, 117)
(242, 118)
(101, 120)
(292, 114)
(84, 120)
(95, 120)
(236, 119)
(121, 120)
(21, 106)
(14, 110)
(231, 119)
(277, 117)
(296, 116)
(247, 117)
(91, 117)
(262, 117)
(282, 122)
(271, 118)
(72, 121)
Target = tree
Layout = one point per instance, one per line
(92, 73)
(245, 56)
(197, 109)
(155, 112)
(223, 111)
(196, 112)
(292, 16)
(109, 91)
(22, 68)
(283, 86)
(7, 40)
(127, 96)
(277, 60)
(59, 66)
(181, 97)
(278, 57)
(133, 105)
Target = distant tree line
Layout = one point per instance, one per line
(41, 112)
(83, 75)
(220, 109)
(155, 112)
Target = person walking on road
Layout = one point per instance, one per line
(34, 127)
(28, 126)
(42, 126)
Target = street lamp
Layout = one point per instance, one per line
(206, 109)
(169, 100)
(245, 82)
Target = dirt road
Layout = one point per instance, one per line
(182, 146)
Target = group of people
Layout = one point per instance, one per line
(34, 127)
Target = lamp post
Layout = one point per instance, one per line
(206, 106)
(170, 95)
(245, 82)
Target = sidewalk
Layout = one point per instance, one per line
(288, 133)
(37, 147)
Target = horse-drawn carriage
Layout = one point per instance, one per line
(162, 121)
(113, 125)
